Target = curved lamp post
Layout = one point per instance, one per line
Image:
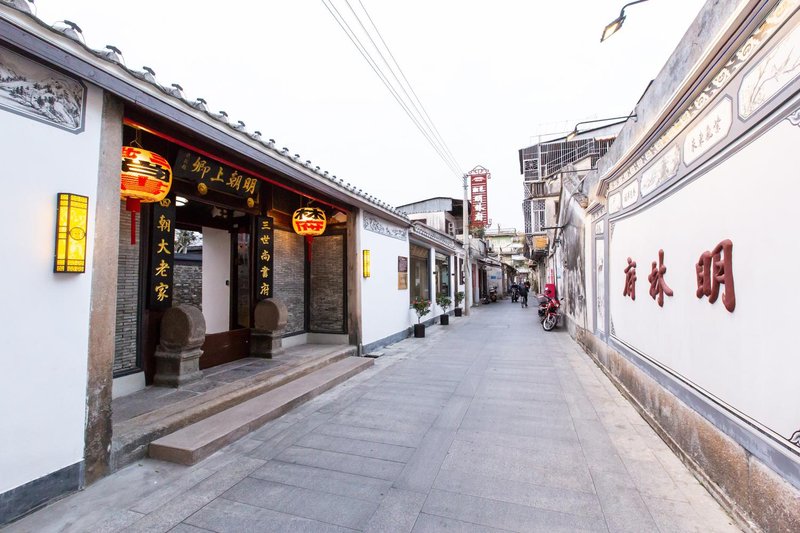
(574, 132)
(616, 24)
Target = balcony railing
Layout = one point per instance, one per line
(538, 189)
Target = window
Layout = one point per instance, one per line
(420, 272)
(442, 274)
(537, 216)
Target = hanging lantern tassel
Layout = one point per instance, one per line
(134, 205)
(309, 240)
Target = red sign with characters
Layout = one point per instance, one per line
(478, 178)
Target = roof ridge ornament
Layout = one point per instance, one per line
(110, 53)
(70, 29)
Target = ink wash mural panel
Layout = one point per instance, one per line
(30, 89)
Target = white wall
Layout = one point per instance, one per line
(216, 280)
(384, 307)
(748, 358)
(44, 318)
(494, 277)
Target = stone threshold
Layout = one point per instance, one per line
(194, 443)
(132, 436)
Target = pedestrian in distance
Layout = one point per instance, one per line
(523, 291)
(514, 292)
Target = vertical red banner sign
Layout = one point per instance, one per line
(478, 178)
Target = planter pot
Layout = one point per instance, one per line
(419, 330)
(457, 311)
(444, 319)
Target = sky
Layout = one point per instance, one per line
(494, 77)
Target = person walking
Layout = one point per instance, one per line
(523, 291)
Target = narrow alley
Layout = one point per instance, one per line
(487, 424)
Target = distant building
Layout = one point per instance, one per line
(507, 245)
(544, 167)
(445, 216)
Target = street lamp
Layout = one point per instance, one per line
(616, 24)
(574, 132)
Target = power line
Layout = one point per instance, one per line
(413, 101)
(379, 72)
(439, 147)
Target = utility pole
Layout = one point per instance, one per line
(467, 266)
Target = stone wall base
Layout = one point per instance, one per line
(751, 492)
(27, 498)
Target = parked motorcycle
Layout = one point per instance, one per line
(549, 313)
(493, 294)
(543, 302)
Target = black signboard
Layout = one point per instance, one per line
(264, 252)
(212, 176)
(161, 256)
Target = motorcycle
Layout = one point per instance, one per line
(493, 294)
(543, 302)
(549, 313)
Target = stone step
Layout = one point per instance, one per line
(132, 437)
(197, 441)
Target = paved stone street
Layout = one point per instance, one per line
(487, 424)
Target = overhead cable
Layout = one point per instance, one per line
(410, 87)
(419, 119)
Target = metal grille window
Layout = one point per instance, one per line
(526, 215)
(530, 168)
(537, 216)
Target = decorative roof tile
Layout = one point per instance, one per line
(113, 56)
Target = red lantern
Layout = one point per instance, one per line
(145, 177)
(309, 221)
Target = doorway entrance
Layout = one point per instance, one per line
(213, 273)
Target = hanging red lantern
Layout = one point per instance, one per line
(309, 221)
(145, 177)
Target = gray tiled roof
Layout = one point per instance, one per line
(236, 128)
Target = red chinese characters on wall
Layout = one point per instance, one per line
(713, 270)
(630, 280)
(658, 286)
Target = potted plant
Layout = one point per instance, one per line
(421, 306)
(443, 301)
(459, 299)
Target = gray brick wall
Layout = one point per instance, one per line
(327, 285)
(188, 283)
(289, 282)
(127, 294)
